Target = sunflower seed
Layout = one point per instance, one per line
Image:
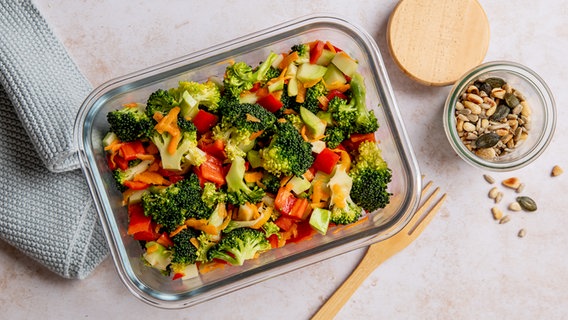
(522, 233)
(489, 178)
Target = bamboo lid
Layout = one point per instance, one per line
(436, 42)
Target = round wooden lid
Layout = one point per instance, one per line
(436, 42)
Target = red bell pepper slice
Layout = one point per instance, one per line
(137, 221)
(316, 51)
(175, 178)
(120, 162)
(111, 162)
(304, 232)
(284, 222)
(215, 148)
(273, 239)
(212, 170)
(326, 160)
(284, 200)
(270, 103)
(130, 150)
(165, 240)
(356, 139)
(178, 275)
(204, 121)
(335, 93)
(136, 185)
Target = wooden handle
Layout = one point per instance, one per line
(367, 265)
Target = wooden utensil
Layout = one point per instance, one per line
(380, 252)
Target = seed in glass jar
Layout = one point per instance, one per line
(511, 100)
(500, 113)
(468, 126)
(487, 140)
(495, 82)
(486, 153)
(527, 203)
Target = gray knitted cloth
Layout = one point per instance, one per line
(46, 209)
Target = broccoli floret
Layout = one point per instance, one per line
(238, 192)
(240, 76)
(190, 95)
(186, 152)
(272, 73)
(287, 152)
(121, 176)
(171, 206)
(313, 93)
(288, 102)
(271, 182)
(371, 176)
(239, 245)
(211, 196)
(270, 228)
(206, 242)
(239, 121)
(334, 136)
(184, 252)
(344, 115)
(129, 123)
(160, 101)
(303, 50)
(366, 122)
(343, 208)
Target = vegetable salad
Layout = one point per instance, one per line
(215, 173)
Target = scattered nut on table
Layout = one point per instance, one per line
(556, 171)
(512, 183)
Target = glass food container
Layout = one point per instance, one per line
(156, 289)
(540, 116)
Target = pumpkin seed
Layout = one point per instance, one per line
(527, 203)
(495, 82)
(511, 100)
(487, 140)
(483, 86)
(500, 113)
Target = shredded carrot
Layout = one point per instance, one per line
(130, 105)
(310, 83)
(142, 156)
(194, 242)
(309, 175)
(210, 266)
(169, 124)
(337, 85)
(114, 146)
(265, 216)
(288, 59)
(301, 96)
(154, 167)
(289, 111)
(330, 47)
(151, 177)
(253, 176)
(303, 134)
(281, 76)
(255, 135)
(152, 248)
(351, 225)
(324, 101)
(178, 230)
(278, 94)
(345, 160)
(201, 224)
(338, 196)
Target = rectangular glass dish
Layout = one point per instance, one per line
(159, 290)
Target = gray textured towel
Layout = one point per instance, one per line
(49, 216)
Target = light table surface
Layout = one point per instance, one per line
(464, 266)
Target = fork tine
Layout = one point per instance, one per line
(423, 221)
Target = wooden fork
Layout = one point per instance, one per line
(379, 252)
